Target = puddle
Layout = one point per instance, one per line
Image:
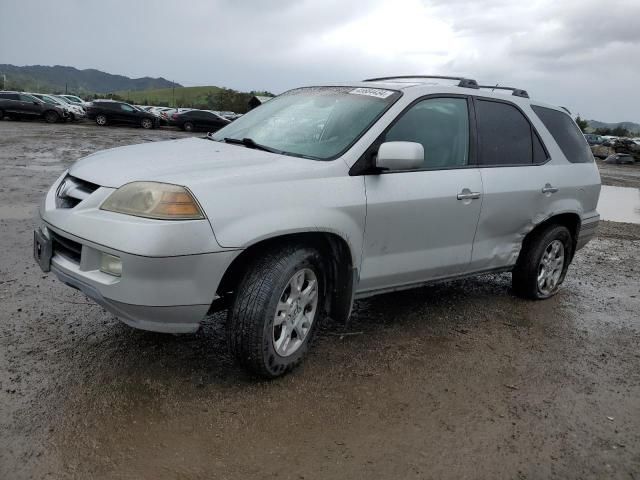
(619, 204)
(17, 212)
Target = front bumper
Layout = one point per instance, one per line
(170, 270)
(162, 294)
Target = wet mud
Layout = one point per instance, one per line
(460, 380)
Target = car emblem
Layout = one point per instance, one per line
(64, 188)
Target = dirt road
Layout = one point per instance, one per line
(455, 381)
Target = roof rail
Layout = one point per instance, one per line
(517, 92)
(463, 82)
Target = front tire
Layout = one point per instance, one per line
(147, 123)
(51, 117)
(101, 120)
(543, 263)
(276, 310)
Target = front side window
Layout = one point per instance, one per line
(505, 136)
(566, 134)
(126, 108)
(28, 98)
(441, 126)
(315, 122)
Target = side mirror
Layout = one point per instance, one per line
(400, 156)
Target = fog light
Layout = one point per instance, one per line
(111, 264)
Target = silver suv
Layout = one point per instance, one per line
(321, 196)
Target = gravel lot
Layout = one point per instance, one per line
(460, 380)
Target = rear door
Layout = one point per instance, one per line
(420, 224)
(29, 106)
(518, 183)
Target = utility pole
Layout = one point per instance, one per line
(4, 82)
(173, 93)
(65, 88)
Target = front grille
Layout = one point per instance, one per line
(66, 247)
(72, 191)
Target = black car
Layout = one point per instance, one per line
(23, 106)
(106, 112)
(198, 120)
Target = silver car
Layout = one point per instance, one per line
(321, 196)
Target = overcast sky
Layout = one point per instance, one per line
(583, 54)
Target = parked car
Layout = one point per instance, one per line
(106, 112)
(198, 120)
(75, 99)
(321, 196)
(73, 112)
(593, 139)
(620, 159)
(26, 107)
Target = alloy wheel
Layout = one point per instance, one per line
(550, 267)
(295, 312)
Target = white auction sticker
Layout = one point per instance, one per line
(372, 92)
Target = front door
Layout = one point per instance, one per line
(420, 224)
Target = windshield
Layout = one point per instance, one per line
(315, 122)
(53, 100)
(49, 100)
(64, 100)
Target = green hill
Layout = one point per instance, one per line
(58, 78)
(180, 96)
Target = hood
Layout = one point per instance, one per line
(190, 162)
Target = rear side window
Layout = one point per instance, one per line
(566, 134)
(505, 136)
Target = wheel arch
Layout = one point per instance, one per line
(51, 110)
(340, 269)
(571, 220)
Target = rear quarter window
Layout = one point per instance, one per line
(566, 134)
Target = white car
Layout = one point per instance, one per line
(77, 112)
(75, 100)
(318, 197)
(74, 112)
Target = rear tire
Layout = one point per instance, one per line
(276, 310)
(188, 127)
(101, 120)
(51, 117)
(543, 263)
(146, 123)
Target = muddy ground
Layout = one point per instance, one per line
(461, 380)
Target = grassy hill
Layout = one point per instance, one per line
(58, 78)
(184, 96)
(206, 97)
(630, 126)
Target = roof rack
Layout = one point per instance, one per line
(463, 82)
(517, 92)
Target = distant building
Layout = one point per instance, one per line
(257, 100)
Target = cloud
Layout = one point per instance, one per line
(579, 53)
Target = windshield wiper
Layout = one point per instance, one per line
(250, 143)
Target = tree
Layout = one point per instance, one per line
(582, 123)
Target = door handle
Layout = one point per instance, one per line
(467, 194)
(548, 188)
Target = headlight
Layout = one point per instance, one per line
(161, 201)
